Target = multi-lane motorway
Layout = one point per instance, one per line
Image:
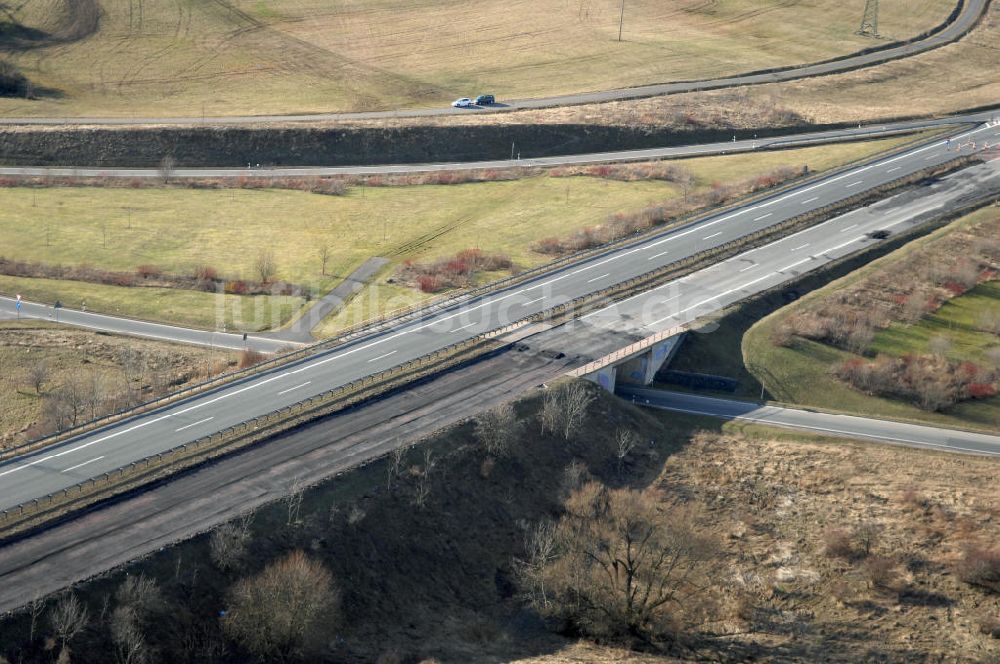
(71, 462)
(72, 314)
(969, 13)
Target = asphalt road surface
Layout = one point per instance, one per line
(884, 431)
(276, 341)
(970, 13)
(86, 456)
(139, 328)
(741, 144)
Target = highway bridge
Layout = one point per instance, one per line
(68, 463)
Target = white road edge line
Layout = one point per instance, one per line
(382, 357)
(194, 424)
(81, 465)
(290, 389)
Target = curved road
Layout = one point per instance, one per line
(851, 426)
(698, 150)
(86, 456)
(971, 12)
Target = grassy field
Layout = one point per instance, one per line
(179, 230)
(268, 56)
(801, 374)
(955, 77)
(69, 352)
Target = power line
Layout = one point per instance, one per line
(869, 23)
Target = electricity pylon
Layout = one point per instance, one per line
(869, 24)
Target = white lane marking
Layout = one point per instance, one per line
(383, 356)
(539, 299)
(749, 267)
(763, 216)
(590, 281)
(712, 235)
(801, 247)
(81, 465)
(853, 184)
(465, 327)
(844, 230)
(654, 256)
(893, 169)
(807, 202)
(929, 157)
(194, 424)
(292, 389)
(676, 236)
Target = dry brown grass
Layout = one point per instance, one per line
(250, 56)
(776, 498)
(69, 352)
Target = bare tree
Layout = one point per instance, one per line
(228, 543)
(127, 636)
(133, 366)
(167, 165)
(866, 535)
(540, 551)
(35, 608)
(625, 442)
(293, 502)
(276, 613)
(395, 465)
(324, 257)
(68, 618)
(623, 567)
(575, 402)
(141, 594)
(265, 266)
(497, 429)
(96, 392)
(423, 488)
(565, 408)
(38, 375)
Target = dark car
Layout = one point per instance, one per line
(485, 100)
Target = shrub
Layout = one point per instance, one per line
(206, 273)
(428, 283)
(980, 567)
(838, 543)
(249, 358)
(146, 271)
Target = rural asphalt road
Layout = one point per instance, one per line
(971, 12)
(741, 144)
(140, 328)
(885, 431)
(86, 456)
(278, 340)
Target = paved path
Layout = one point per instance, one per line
(850, 426)
(300, 331)
(970, 13)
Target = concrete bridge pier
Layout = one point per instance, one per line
(638, 367)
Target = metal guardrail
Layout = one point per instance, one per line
(27, 515)
(406, 314)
